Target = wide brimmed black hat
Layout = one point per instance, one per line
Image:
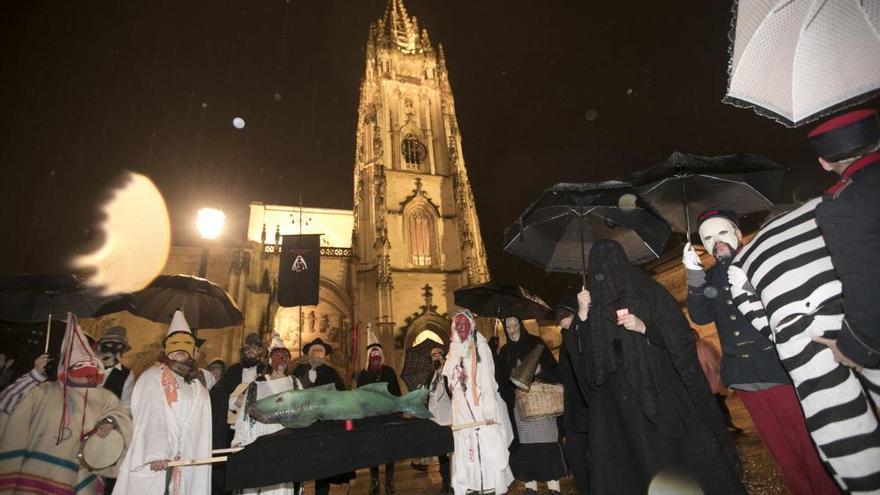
(328, 349)
(568, 302)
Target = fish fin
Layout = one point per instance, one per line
(414, 403)
(379, 387)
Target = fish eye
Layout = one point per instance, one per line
(278, 400)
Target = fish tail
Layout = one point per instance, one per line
(414, 403)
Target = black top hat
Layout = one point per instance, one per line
(327, 348)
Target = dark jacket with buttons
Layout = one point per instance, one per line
(748, 356)
(849, 217)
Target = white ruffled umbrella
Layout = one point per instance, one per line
(800, 60)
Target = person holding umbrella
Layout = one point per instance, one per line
(535, 454)
(849, 218)
(571, 315)
(750, 364)
(640, 376)
(40, 440)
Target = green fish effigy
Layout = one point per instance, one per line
(300, 408)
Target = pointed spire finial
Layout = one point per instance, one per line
(402, 29)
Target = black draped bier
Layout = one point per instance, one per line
(325, 449)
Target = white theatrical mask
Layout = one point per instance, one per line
(137, 238)
(718, 230)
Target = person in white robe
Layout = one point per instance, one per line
(172, 421)
(481, 426)
(247, 429)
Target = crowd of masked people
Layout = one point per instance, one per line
(639, 411)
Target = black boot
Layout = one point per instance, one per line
(389, 479)
(374, 480)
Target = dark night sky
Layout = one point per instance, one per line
(90, 88)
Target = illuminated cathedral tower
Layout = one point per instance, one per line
(416, 234)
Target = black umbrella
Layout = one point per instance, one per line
(557, 231)
(205, 304)
(500, 301)
(417, 364)
(743, 183)
(35, 298)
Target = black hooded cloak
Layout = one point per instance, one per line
(531, 461)
(650, 406)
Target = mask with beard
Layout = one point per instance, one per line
(374, 359)
(250, 356)
(720, 236)
(188, 369)
(314, 362)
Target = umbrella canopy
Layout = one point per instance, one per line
(417, 366)
(31, 298)
(743, 183)
(799, 60)
(557, 231)
(205, 304)
(491, 299)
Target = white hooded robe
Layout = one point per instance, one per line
(480, 461)
(165, 431)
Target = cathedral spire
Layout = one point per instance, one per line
(402, 29)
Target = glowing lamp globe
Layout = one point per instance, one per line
(210, 222)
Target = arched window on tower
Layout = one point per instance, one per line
(420, 234)
(413, 151)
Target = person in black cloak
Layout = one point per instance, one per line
(535, 454)
(651, 410)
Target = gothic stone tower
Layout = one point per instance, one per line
(416, 235)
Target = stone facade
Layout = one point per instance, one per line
(393, 262)
(417, 237)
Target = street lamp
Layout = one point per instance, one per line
(210, 223)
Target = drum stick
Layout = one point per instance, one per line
(48, 334)
(227, 451)
(475, 424)
(196, 462)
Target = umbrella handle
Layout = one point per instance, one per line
(687, 213)
(48, 334)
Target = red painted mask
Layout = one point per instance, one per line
(462, 327)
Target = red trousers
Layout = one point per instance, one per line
(778, 416)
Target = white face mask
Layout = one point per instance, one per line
(718, 230)
(513, 329)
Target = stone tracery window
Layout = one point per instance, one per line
(420, 227)
(413, 151)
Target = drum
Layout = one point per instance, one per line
(97, 453)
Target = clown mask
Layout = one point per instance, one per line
(720, 236)
(375, 358)
(462, 327)
(85, 373)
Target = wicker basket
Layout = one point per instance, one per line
(543, 400)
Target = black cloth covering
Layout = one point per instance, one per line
(849, 218)
(650, 406)
(116, 380)
(325, 449)
(222, 432)
(386, 374)
(575, 419)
